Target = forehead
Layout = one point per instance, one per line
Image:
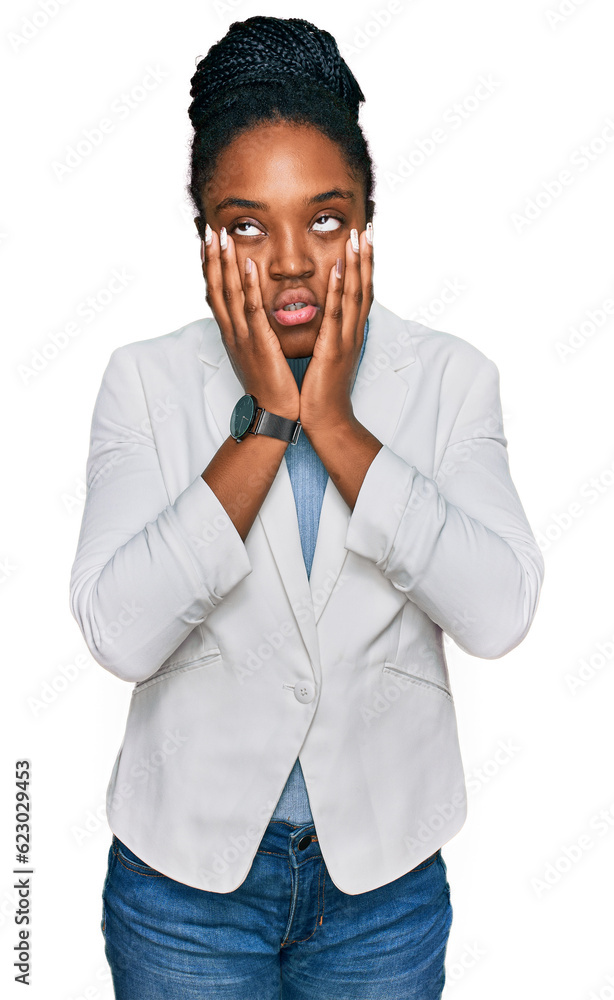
(279, 162)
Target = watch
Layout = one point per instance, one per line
(248, 417)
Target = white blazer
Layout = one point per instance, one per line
(240, 662)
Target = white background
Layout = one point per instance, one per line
(528, 921)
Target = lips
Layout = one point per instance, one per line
(295, 317)
(291, 295)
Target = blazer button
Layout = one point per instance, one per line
(304, 691)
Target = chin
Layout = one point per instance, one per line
(297, 342)
(302, 348)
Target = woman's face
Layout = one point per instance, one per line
(286, 196)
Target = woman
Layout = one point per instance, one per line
(355, 504)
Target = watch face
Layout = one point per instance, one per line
(242, 416)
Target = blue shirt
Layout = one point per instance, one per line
(308, 476)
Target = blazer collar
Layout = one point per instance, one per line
(378, 397)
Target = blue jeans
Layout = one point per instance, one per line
(286, 933)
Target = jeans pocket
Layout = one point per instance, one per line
(111, 862)
(128, 859)
(427, 861)
(445, 874)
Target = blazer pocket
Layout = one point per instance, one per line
(394, 668)
(210, 656)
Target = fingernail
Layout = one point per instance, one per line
(339, 263)
(370, 233)
(207, 234)
(202, 251)
(354, 239)
(248, 265)
(223, 238)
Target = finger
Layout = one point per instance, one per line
(366, 274)
(332, 320)
(234, 296)
(352, 289)
(212, 271)
(256, 320)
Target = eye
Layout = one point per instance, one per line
(331, 218)
(242, 232)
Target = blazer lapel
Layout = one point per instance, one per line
(277, 514)
(377, 397)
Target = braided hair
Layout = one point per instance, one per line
(269, 69)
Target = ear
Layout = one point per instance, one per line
(200, 226)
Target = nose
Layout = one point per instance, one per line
(290, 257)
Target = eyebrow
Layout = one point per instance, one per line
(262, 207)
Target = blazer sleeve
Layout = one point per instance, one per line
(146, 571)
(458, 545)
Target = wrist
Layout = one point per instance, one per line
(280, 409)
(267, 443)
(330, 423)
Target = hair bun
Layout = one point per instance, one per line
(271, 50)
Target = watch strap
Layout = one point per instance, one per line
(275, 426)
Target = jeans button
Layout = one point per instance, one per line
(304, 842)
(304, 691)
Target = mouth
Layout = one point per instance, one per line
(295, 307)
